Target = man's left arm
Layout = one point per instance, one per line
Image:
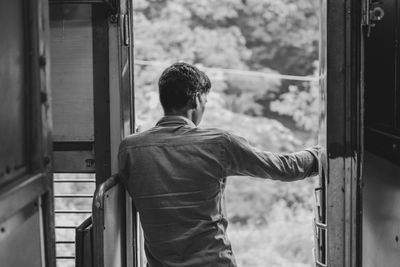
(244, 159)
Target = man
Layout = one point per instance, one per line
(176, 174)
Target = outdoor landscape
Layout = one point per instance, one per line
(244, 46)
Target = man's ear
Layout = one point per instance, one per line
(194, 101)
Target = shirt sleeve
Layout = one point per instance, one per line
(244, 159)
(123, 163)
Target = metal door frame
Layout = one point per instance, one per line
(341, 130)
(113, 101)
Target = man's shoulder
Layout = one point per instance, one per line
(225, 134)
(191, 136)
(133, 140)
(215, 131)
(216, 134)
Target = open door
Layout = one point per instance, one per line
(26, 191)
(92, 80)
(320, 221)
(338, 211)
(114, 218)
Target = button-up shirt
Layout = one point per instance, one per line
(176, 174)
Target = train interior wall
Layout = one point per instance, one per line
(381, 213)
(25, 210)
(381, 161)
(12, 107)
(23, 225)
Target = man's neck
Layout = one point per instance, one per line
(187, 114)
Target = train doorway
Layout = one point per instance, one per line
(264, 88)
(91, 59)
(86, 49)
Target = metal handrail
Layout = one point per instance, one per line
(102, 189)
(86, 223)
(321, 225)
(320, 264)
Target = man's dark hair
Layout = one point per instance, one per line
(179, 84)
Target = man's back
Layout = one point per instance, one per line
(176, 174)
(176, 179)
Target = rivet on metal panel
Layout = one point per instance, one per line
(394, 146)
(46, 160)
(114, 18)
(43, 97)
(97, 204)
(42, 61)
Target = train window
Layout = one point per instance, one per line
(382, 93)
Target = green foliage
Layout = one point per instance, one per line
(277, 34)
(301, 103)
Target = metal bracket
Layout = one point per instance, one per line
(111, 3)
(372, 13)
(125, 28)
(320, 228)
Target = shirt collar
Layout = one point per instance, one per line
(175, 120)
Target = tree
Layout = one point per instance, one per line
(302, 104)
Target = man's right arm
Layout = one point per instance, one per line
(244, 159)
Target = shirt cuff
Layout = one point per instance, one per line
(316, 152)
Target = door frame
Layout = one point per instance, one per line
(341, 123)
